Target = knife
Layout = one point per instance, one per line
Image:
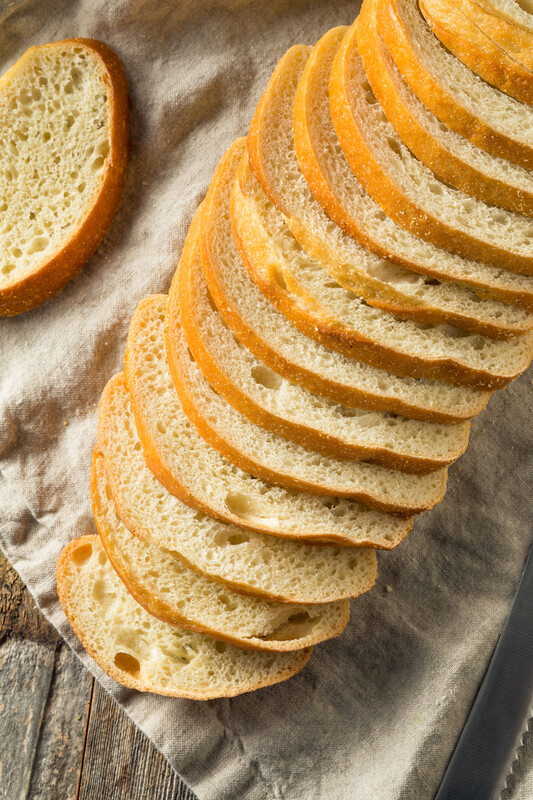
(483, 757)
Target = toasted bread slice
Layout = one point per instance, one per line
(409, 192)
(269, 399)
(144, 653)
(173, 593)
(65, 130)
(478, 51)
(253, 563)
(450, 156)
(459, 98)
(200, 476)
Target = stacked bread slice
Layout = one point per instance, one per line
(356, 282)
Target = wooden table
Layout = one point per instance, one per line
(61, 735)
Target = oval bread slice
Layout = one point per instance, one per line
(173, 593)
(64, 129)
(144, 653)
(253, 563)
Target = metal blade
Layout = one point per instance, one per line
(493, 732)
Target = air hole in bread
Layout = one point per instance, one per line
(221, 647)
(265, 377)
(391, 273)
(127, 663)
(280, 280)
(82, 554)
(210, 300)
(246, 508)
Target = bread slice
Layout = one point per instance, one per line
(273, 402)
(253, 563)
(507, 23)
(339, 319)
(478, 51)
(408, 191)
(273, 159)
(173, 593)
(201, 477)
(459, 98)
(144, 653)
(451, 157)
(64, 127)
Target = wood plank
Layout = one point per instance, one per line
(120, 762)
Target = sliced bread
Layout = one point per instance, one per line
(276, 404)
(450, 156)
(64, 129)
(459, 98)
(509, 24)
(339, 319)
(253, 563)
(478, 51)
(144, 653)
(189, 468)
(408, 191)
(172, 592)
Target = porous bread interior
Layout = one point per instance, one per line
(290, 460)
(295, 405)
(497, 228)
(256, 563)
(500, 112)
(178, 595)
(294, 199)
(303, 279)
(54, 137)
(147, 654)
(213, 483)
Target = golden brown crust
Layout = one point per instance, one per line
(478, 51)
(50, 276)
(430, 151)
(436, 98)
(389, 195)
(508, 34)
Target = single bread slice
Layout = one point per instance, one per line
(293, 355)
(273, 159)
(252, 563)
(186, 465)
(324, 310)
(509, 24)
(478, 51)
(144, 653)
(407, 190)
(64, 128)
(173, 593)
(459, 98)
(273, 402)
(451, 157)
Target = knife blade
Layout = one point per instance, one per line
(486, 750)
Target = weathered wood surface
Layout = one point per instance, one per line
(61, 736)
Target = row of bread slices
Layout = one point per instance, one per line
(341, 310)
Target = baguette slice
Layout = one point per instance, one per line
(451, 157)
(281, 346)
(252, 563)
(273, 159)
(507, 23)
(144, 653)
(170, 591)
(324, 310)
(408, 191)
(459, 98)
(64, 127)
(201, 477)
(478, 51)
(271, 401)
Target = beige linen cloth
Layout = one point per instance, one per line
(376, 713)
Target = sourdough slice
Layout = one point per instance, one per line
(324, 310)
(253, 563)
(459, 98)
(173, 593)
(273, 159)
(478, 51)
(408, 191)
(144, 653)
(186, 465)
(271, 401)
(450, 156)
(507, 23)
(64, 129)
